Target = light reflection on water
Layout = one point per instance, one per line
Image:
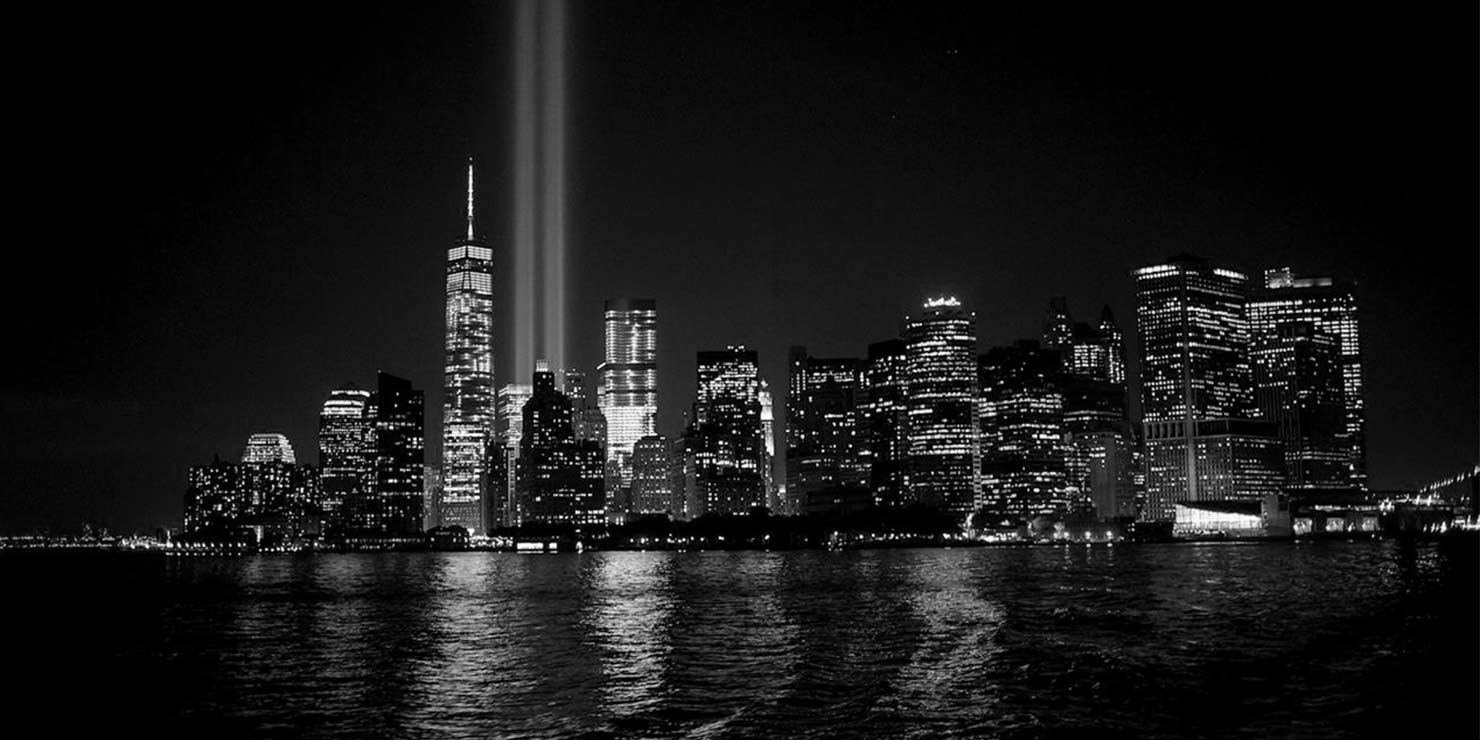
(1219, 641)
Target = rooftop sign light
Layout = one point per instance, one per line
(943, 301)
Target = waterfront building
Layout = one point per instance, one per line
(726, 434)
(265, 501)
(560, 479)
(346, 451)
(1099, 439)
(1298, 381)
(1202, 439)
(627, 394)
(394, 508)
(1022, 433)
(824, 431)
(468, 390)
(1330, 305)
(652, 477)
(941, 387)
(885, 424)
(508, 431)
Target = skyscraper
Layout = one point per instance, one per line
(726, 435)
(652, 477)
(824, 431)
(1298, 380)
(886, 422)
(1330, 306)
(560, 478)
(1202, 439)
(346, 451)
(628, 391)
(400, 458)
(1099, 440)
(503, 476)
(468, 400)
(1022, 425)
(941, 381)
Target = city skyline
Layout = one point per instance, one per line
(813, 277)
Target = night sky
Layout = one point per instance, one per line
(232, 211)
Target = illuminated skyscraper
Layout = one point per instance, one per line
(468, 398)
(263, 448)
(1202, 439)
(824, 431)
(726, 435)
(560, 478)
(508, 431)
(941, 383)
(346, 451)
(1330, 306)
(1297, 375)
(1022, 425)
(628, 391)
(1100, 443)
(885, 426)
(395, 505)
(652, 477)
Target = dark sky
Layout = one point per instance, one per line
(235, 209)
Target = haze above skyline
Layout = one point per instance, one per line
(250, 210)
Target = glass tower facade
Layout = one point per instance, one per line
(468, 389)
(941, 384)
(628, 392)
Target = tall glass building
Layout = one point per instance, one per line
(628, 377)
(346, 450)
(560, 479)
(1330, 306)
(468, 397)
(1203, 440)
(941, 383)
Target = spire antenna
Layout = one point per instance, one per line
(470, 198)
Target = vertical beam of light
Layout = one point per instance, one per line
(552, 172)
(525, 189)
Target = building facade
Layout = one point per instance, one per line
(561, 480)
(1330, 305)
(885, 422)
(1298, 383)
(394, 507)
(628, 392)
(941, 390)
(468, 389)
(1202, 438)
(346, 452)
(824, 425)
(1022, 433)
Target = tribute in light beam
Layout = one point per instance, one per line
(539, 184)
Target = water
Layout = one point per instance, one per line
(1223, 640)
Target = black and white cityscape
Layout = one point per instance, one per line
(544, 369)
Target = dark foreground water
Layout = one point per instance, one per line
(1228, 640)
